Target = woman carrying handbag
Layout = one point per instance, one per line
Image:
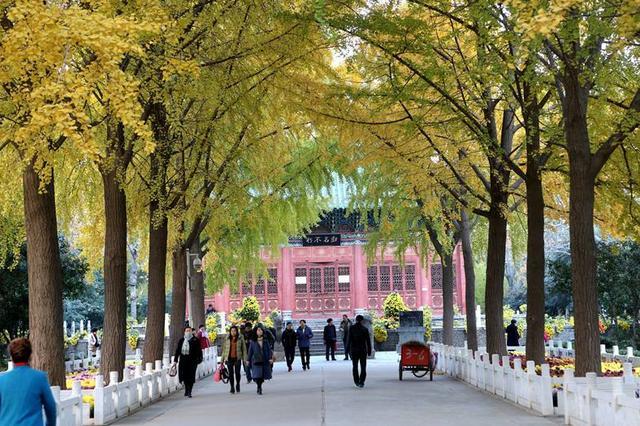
(260, 359)
(234, 353)
(188, 355)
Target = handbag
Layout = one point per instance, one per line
(173, 370)
(221, 374)
(217, 375)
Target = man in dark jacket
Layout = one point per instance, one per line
(247, 331)
(513, 337)
(289, 339)
(330, 337)
(344, 326)
(304, 335)
(360, 348)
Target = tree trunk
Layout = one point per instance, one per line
(535, 225)
(115, 276)
(494, 292)
(535, 265)
(44, 269)
(497, 235)
(154, 336)
(133, 281)
(447, 298)
(179, 296)
(581, 233)
(197, 284)
(470, 281)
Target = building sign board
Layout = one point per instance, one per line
(321, 240)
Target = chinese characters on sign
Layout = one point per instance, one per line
(321, 240)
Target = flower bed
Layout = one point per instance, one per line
(558, 364)
(88, 377)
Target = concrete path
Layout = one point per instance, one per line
(325, 395)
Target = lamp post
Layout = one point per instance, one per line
(197, 265)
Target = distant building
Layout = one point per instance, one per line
(326, 274)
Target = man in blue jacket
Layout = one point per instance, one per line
(24, 392)
(330, 337)
(304, 335)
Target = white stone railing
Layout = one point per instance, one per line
(119, 399)
(82, 363)
(582, 401)
(565, 349)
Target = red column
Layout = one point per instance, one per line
(218, 301)
(286, 285)
(359, 280)
(425, 281)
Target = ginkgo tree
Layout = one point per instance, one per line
(54, 57)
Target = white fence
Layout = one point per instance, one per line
(118, 400)
(609, 401)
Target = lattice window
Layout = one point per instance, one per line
(315, 280)
(410, 277)
(272, 283)
(397, 277)
(372, 278)
(259, 288)
(344, 271)
(329, 280)
(385, 278)
(436, 276)
(301, 272)
(247, 286)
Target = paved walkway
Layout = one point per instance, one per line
(325, 395)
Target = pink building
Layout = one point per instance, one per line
(331, 280)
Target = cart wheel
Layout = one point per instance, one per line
(420, 373)
(400, 373)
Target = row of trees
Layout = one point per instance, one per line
(497, 112)
(174, 123)
(208, 126)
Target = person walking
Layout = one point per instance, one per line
(210, 310)
(360, 349)
(260, 359)
(203, 337)
(304, 335)
(513, 337)
(94, 342)
(289, 339)
(24, 391)
(188, 355)
(330, 338)
(234, 353)
(345, 324)
(247, 332)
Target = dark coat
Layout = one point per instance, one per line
(512, 335)
(359, 342)
(304, 337)
(289, 338)
(260, 369)
(329, 335)
(188, 364)
(344, 326)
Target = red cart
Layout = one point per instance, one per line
(417, 358)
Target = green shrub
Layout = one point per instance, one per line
(393, 305)
(380, 334)
(250, 310)
(427, 314)
(211, 324)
